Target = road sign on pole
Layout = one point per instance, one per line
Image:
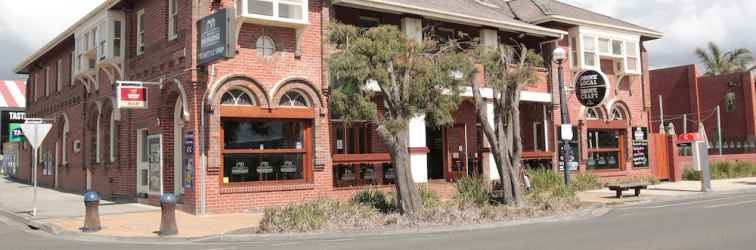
(35, 130)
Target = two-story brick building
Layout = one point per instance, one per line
(259, 121)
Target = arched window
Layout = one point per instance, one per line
(592, 114)
(265, 46)
(237, 97)
(617, 114)
(293, 99)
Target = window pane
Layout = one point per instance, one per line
(632, 64)
(603, 160)
(290, 11)
(604, 46)
(589, 59)
(632, 49)
(589, 43)
(260, 7)
(617, 48)
(251, 134)
(603, 138)
(263, 167)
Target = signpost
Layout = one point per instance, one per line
(591, 88)
(217, 36)
(35, 130)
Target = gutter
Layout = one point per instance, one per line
(575, 21)
(404, 8)
(21, 68)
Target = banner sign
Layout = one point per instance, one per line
(15, 133)
(188, 174)
(217, 36)
(132, 97)
(591, 88)
(640, 147)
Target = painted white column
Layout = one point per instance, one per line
(489, 38)
(418, 161)
(494, 171)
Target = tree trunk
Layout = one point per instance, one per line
(408, 198)
(516, 154)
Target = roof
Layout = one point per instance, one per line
(12, 94)
(491, 13)
(22, 68)
(540, 11)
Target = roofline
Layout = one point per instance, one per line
(558, 18)
(403, 8)
(20, 69)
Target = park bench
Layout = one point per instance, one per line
(620, 187)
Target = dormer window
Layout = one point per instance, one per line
(275, 12)
(590, 47)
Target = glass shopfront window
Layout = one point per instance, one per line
(605, 149)
(353, 175)
(257, 150)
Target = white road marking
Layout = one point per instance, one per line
(689, 203)
(286, 244)
(730, 204)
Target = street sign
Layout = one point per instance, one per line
(35, 132)
(591, 88)
(132, 97)
(217, 36)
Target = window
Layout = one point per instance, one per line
(444, 34)
(293, 99)
(59, 82)
(604, 45)
(237, 97)
(592, 114)
(259, 150)
(574, 48)
(172, 19)
(617, 47)
(352, 175)
(366, 22)
(140, 32)
(353, 139)
(617, 114)
(605, 148)
(589, 51)
(48, 80)
(117, 38)
(265, 46)
(277, 10)
(632, 57)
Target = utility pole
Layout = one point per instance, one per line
(719, 130)
(560, 55)
(685, 123)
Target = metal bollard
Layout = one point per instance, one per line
(92, 215)
(168, 219)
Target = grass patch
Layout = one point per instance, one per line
(429, 197)
(317, 216)
(375, 199)
(549, 192)
(586, 181)
(724, 170)
(472, 190)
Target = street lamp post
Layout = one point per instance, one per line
(559, 56)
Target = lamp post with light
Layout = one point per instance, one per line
(559, 55)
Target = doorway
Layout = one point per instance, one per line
(434, 140)
(456, 151)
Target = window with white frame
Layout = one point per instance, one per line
(140, 32)
(633, 61)
(59, 83)
(265, 46)
(590, 47)
(117, 33)
(172, 19)
(291, 11)
(589, 51)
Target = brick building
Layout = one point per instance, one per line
(261, 116)
(684, 90)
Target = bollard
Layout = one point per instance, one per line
(92, 215)
(168, 219)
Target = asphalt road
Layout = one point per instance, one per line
(718, 221)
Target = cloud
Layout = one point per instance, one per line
(29, 26)
(686, 24)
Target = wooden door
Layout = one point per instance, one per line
(660, 163)
(456, 152)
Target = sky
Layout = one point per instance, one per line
(686, 24)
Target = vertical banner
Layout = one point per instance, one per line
(188, 163)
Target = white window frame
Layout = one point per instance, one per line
(140, 32)
(172, 19)
(59, 83)
(581, 35)
(275, 19)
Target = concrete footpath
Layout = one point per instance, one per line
(62, 213)
(666, 190)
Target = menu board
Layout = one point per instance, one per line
(640, 147)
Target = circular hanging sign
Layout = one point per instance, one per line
(591, 88)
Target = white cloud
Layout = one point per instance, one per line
(686, 24)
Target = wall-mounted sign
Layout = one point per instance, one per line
(15, 133)
(217, 36)
(132, 97)
(591, 88)
(640, 147)
(188, 174)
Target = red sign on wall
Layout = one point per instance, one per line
(689, 137)
(132, 97)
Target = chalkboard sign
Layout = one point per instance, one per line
(574, 160)
(591, 88)
(640, 147)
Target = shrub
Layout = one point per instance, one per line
(375, 199)
(586, 181)
(472, 190)
(549, 192)
(691, 174)
(318, 215)
(429, 197)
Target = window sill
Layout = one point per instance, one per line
(252, 188)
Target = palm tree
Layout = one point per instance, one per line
(718, 63)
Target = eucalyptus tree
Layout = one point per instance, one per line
(384, 76)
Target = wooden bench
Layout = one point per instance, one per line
(619, 188)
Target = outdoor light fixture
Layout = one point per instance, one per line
(559, 55)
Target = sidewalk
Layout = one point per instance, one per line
(666, 190)
(62, 213)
